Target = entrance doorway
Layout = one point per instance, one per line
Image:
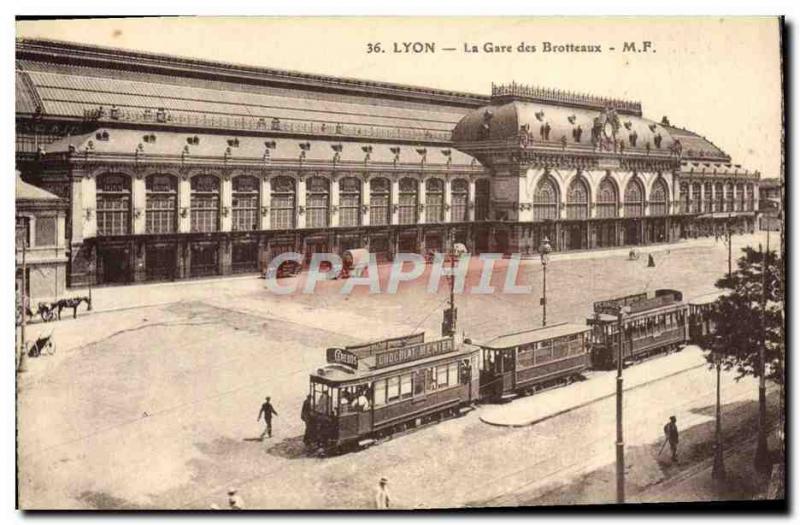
(205, 260)
(633, 232)
(160, 262)
(113, 265)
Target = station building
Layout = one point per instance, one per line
(175, 168)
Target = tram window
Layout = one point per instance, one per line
(419, 382)
(508, 360)
(560, 349)
(441, 376)
(393, 389)
(525, 356)
(430, 378)
(405, 386)
(380, 392)
(543, 355)
(452, 374)
(322, 399)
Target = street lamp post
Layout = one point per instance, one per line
(620, 443)
(544, 252)
(450, 315)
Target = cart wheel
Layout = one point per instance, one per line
(50, 348)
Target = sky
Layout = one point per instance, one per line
(719, 77)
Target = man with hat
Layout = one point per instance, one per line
(671, 433)
(382, 495)
(235, 501)
(268, 411)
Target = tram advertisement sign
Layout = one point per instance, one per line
(386, 344)
(414, 352)
(342, 357)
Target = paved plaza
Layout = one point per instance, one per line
(151, 399)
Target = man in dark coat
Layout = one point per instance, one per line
(305, 415)
(671, 433)
(268, 412)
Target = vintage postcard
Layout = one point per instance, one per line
(399, 263)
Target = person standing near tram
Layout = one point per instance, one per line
(382, 495)
(305, 415)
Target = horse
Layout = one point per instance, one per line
(74, 303)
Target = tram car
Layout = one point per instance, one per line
(531, 360)
(700, 324)
(371, 391)
(651, 324)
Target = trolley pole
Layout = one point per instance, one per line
(620, 444)
(718, 470)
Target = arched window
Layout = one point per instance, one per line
(282, 203)
(245, 203)
(728, 197)
(349, 201)
(205, 203)
(634, 199)
(578, 199)
(459, 195)
(318, 201)
(161, 203)
(658, 198)
(113, 204)
(684, 197)
(545, 200)
(607, 199)
(434, 200)
(708, 204)
(407, 207)
(718, 197)
(739, 197)
(482, 191)
(380, 200)
(696, 193)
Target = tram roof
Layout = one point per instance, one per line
(336, 373)
(707, 298)
(534, 335)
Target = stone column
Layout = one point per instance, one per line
(471, 200)
(89, 203)
(334, 218)
(448, 200)
(395, 200)
(301, 202)
(139, 199)
(365, 201)
(226, 204)
(184, 203)
(265, 199)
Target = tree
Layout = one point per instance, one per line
(744, 319)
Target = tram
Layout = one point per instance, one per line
(650, 324)
(531, 360)
(369, 392)
(700, 324)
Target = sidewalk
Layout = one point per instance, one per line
(600, 385)
(696, 483)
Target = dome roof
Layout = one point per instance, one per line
(569, 120)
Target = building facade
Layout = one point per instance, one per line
(41, 234)
(177, 168)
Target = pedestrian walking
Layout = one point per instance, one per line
(268, 412)
(671, 435)
(382, 495)
(235, 501)
(651, 263)
(305, 415)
